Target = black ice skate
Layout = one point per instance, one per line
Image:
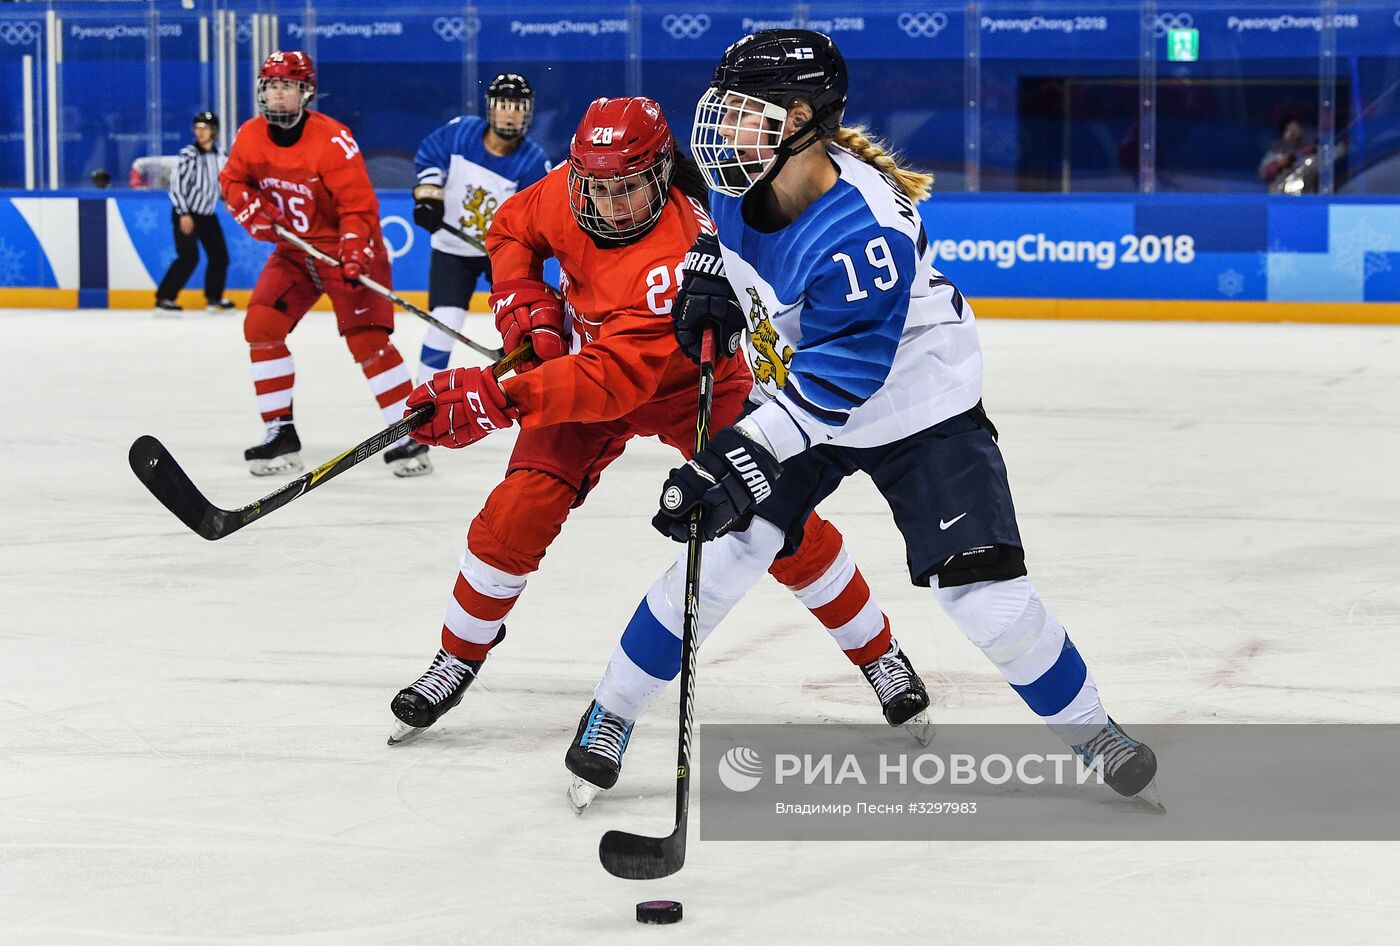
(168, 307)
(1129, 767)
(280, 451)
(901, 693)
(423, 702)
(220, 305)
(595, 758)
(409, 458)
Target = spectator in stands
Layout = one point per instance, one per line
(1287, 152)
(101, 179)
(194, 192)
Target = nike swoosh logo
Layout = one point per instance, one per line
(366, 309)
(950, 522)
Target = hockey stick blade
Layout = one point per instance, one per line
(157, 469)
(638, 857)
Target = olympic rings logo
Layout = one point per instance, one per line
(685, 26)
(1167, 22)
(19, 32)
(922, 25)
(453, 29)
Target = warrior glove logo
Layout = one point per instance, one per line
(671, 498)
(743, 464)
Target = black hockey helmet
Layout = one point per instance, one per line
(206, 118)
(509, 93)
(781, 66)
(737, 136)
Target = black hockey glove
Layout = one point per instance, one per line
(705, 301)
(428, 207)
(724, 481)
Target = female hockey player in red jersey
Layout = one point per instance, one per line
(619, 218)
(303, 170)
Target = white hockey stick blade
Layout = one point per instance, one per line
(581, 794)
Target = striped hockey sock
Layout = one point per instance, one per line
(388, 381)
(481, 598)
(273, 376)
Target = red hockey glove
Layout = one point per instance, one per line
(256, 214)
(528, 308)
(356, 254)
(470, 404)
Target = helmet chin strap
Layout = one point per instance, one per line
(788, 147)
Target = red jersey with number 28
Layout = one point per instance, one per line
(618, 298)
(320, 183)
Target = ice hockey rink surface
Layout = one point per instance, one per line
(192, 734)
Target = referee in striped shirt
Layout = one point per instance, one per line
(194, 190)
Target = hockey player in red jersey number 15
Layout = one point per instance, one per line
(302, 170)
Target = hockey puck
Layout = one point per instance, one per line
(659, 911)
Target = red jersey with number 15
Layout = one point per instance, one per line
(619, 300)
(320, 183)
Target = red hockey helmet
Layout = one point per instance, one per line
(292, 79)
(621, 162)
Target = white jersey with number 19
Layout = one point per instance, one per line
(854, 338)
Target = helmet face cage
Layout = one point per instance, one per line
(524, 107)
(281, 70)
(735, 139)
(620, 208)
(283, 118)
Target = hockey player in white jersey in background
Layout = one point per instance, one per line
(865, 358)
(466, 170)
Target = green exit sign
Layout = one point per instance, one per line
(1183, 45)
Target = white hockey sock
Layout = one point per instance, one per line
(437, 344)
(1028, 644)
(649, 653)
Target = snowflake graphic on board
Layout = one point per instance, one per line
(146, 219)
(11, 265)
(1376, 263)
(1278, 261)
(1351, 247)
(1230, 283)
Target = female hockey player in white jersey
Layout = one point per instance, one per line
(864, 358)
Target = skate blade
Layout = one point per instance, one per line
(921, 728)
(286, 463)
(581, 794)
(403, 732)
(1151, 796)
(411, 466)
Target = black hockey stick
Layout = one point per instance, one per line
(495, 354)
(636, 856)
(157, 469)
(462, 235)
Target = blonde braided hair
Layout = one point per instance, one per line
(872, 151)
